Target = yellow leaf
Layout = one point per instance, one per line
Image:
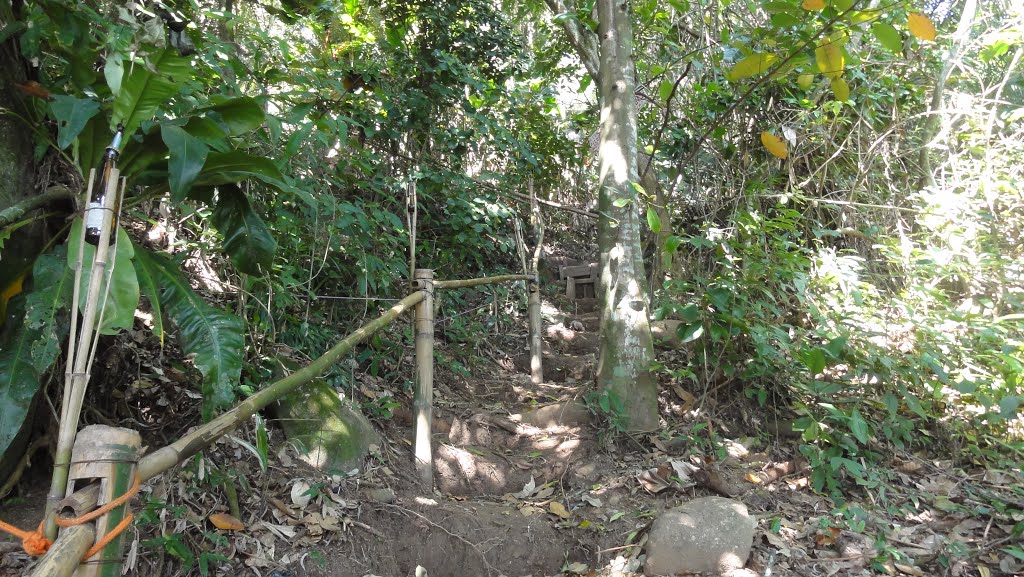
(774, 144)
(829, 56)
(921, 27)
(840, 89)
(751, 66)
(559, 509)
(804, 81)
(814, 5)
(226, 522)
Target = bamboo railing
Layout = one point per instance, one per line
(65, 554)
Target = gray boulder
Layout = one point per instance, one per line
(710, 534)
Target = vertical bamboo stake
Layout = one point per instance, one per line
(536, 365)
(108, 454)
(411, 215)
(536, 327)
(81, 351)
(423, 280)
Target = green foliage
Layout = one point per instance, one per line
(247, 240)
(117, 309)
(30, 346)
(215, 337)
(609, 407)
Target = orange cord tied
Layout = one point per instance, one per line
(35, 542)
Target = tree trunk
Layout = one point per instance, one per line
(627, 349)
(933, 123)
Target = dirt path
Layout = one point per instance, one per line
(527, 483)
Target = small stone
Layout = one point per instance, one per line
(710, 534)
(380, 495)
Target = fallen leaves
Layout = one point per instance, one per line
(226, 522)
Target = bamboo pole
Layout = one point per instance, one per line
(77, 379)
(423, 399)
(466, 283)
(108, 454)
(66, 552)
(167, 457)
(163, 459)
(533, 288)
(536, 363)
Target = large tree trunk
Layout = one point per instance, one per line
(17, 182)
(627, 349)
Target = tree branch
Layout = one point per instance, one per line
(580, 37)
(11, 214)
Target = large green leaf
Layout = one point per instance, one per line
(247, 240)
(35, 342)
(186, 157)
(213, 335)
(141, 156)
(92, 141)
(231, 167)
(148, 87)
(149, 284)
(888, 37)
(71, 114)
(123, 297)
(238, 115)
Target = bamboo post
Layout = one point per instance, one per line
(423, 281)
(82, 349)
(108, 454)
(66, 552)
(536, 364)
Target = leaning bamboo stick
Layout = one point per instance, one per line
(163, 459)
(66, 552)
(167, 457)
(466, 283)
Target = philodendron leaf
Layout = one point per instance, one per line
(231, 167)
(148, 87)
(213, 335)
(71, 114)
(247, 240)
(92, 142)
(118, 310)
(187, 154)
(35, 343)
(238, 115)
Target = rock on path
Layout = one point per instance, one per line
(710, 534)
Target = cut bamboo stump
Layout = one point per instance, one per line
(536, 363)
(108, 454)
(423, 281)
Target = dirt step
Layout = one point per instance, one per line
(559, 368)
(450, 539)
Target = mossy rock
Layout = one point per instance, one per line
(328, 434)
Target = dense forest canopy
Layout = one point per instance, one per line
(822, 196)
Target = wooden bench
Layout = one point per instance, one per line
(580, 280)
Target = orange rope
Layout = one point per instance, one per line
(35, 542)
